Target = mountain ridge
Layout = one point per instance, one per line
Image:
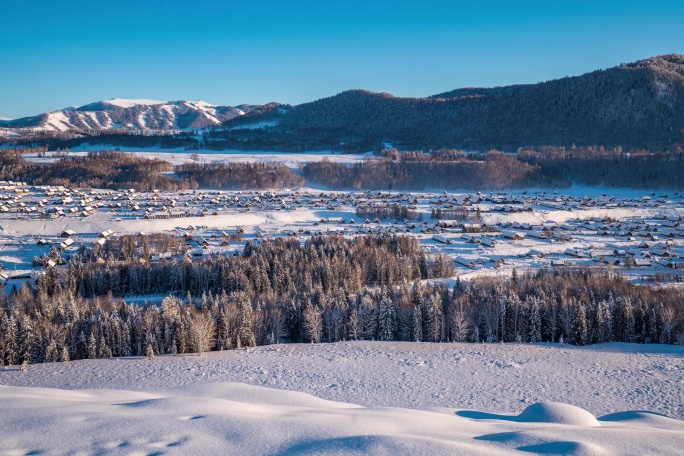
(633, 105)
(636, 105)
(125, 114)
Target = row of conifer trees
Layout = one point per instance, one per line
(326, 290)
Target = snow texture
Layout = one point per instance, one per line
(192, 405)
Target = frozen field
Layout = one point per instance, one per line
(409, 398)
(180, 156)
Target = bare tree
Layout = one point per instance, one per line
(313, 324)
(460, 325)
(202, 332)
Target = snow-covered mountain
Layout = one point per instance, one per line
(124, 114)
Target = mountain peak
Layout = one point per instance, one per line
(129, 103)
(131, 114)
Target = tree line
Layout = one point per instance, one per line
(383, 211)
(276, 291)
(326, 290)
(103, 169)
(444, 169)
(114, 170)
(240, 176)
(418, 171)
(598, 166)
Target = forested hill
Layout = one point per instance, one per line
(633, 105)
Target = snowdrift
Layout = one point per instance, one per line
(232, 418)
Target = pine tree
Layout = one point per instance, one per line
(26, 340)
(92, 347)
(313, 324)
(105, 351)
(435, 319)
(623, 321)
(64, 355)
(368, 319)
(417, 326)
(534, 325)
(126, 349)
(10, 337)
(653, 326)
(580, 333)
(246, 333)
(603, 322)
(628, 314)
(353, 325)
(387, 320)
(51, 353)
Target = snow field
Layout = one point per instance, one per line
(602, 379)
(191, 405)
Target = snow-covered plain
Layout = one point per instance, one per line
(409, 398)
(180, 156)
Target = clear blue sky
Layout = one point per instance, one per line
(55, 54)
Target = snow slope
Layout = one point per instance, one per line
(602, 379)
(535, 399)
(229, 418)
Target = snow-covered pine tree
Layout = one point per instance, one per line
(27, 340)
(368, 319)
(353, 325)
(387, 320)
(623, 320)
(64, 355)
(604, 330)
(92, 347)
(11, 348)
(105, 351)
(436, 319)
(246, 333)
(417, 327)
(51, 352)
(126, 349)
(653, 324)
(534, 323)
(580, 332)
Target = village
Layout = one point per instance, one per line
(483, 233)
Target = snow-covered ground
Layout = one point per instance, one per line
(409, 398)
(576, 226)
(180, 156)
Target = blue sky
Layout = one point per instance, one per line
(57, 54)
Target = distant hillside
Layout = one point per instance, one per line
(637, 105)
(632, 105)
(134, 115)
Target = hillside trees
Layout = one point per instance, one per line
(338, 289)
